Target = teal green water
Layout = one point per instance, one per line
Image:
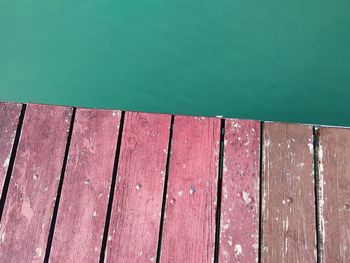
(270, 60)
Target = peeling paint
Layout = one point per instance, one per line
(26, 210)
(321, 194)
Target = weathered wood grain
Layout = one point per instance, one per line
(288, 208)
(137, 205)
(33, 187)
(334, 190)
(9, 117)
(239, 223)
(83, 205)
(189, 226)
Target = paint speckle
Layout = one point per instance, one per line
(87, 181)
(152, 259)
(301, 165)
(236, 125)
(224, 166)
(226, 226)
(6, 162)
(38, 252)
(311, 147)
(138, 187)
(192, 190)
(94, 214)
(109, 238)
(35, 176)
(246, 197)
(238, 249)
(225, 192)
(180, 193)
(3, 237)
(172, 201)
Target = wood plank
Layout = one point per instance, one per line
(239, 223)
(137, 204)
(288, 208)
(33, 187)
(334, 201)
(9, 118)
(189, 224)
(83, 205)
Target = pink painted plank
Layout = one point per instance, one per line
(83, 205)
(288, 207)
(239, 223)
(9, 117)
(137, 204)
(189, 224)
(334, 198)
(33, 187)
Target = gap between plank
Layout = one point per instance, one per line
(219, 192)
(12, 159)
(261, 196)
(59, 190)
(319, 241)
(165, 189)
(112, 189)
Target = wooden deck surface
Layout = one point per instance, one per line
(89, 185)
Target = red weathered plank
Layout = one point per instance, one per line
(137, 205)
(84, 198)
(334, 194)
(239, 223)
(9, 117)
(33, 187)
(288, 208)
(189, 222)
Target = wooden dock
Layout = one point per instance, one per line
(88, 185)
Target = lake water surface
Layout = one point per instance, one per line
(270, 60)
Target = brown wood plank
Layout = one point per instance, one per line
(239, 223)
(334, 198)
(137, 204)
(189, 223)
(288, 207)
(83, 205)
(9, 117)
(33, 187)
